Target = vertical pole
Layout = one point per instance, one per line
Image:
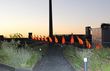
(50, 22)
(50, 19)
(85, 64)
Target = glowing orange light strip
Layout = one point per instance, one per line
(63, 40)
(80, 41)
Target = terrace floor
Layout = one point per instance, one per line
(54, 61)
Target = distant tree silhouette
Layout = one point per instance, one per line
(16, 35)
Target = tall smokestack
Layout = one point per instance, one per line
(50, 19)
(30, 35)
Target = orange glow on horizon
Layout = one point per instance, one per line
(88, 45)
(50, 39)
(56, 40)
(45, 38)
(80, 41)
(41, 38)
(38, 37)
(34, 37)
(98, 46)
(72, 39)
(63, 40)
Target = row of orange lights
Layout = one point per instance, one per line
(44, 38)
(41, 38)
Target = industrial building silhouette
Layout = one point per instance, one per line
(105, 30)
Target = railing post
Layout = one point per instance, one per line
(85, 64)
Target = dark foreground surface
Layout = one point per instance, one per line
(6, 68)
(54, 61)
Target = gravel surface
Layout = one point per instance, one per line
(54, 61)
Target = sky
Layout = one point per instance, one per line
(69, 16)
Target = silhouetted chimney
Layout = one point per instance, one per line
(88, 34)
(88, 31)
(30, 35)
(50, 19)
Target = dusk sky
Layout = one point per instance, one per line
(69, 16)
